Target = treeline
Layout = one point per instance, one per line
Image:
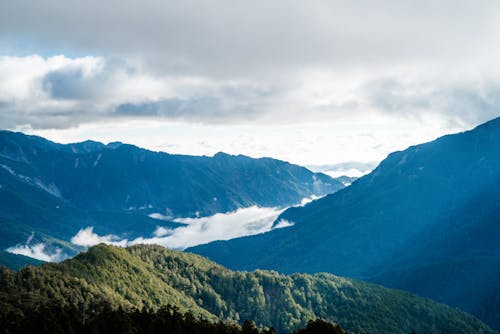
(54, 318)
(149, 277)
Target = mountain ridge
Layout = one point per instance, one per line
(56, 189)
(433, 203)
(152, 276)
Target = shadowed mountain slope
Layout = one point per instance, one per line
(427, 220)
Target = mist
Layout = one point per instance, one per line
(221, 226)
(40, 250)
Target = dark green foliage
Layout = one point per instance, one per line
(149, 277)
(54, 319)
(319, 326)
(425, 220)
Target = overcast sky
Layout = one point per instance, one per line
(311, 82)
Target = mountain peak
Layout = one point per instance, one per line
(86, 146)
(113, 145)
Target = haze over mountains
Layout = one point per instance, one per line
(49, 192)
(427, 220)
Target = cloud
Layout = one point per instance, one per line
(87, 238)
(76, 81)
(40, 251)
(195, 108)
(308, 200)
(468, 101)
(61, 92)
(162, 231)
(221, 226)
(295, 80)
(349, 168)
(160, 216)
(280, 62)
(253, 38)
(284, 223)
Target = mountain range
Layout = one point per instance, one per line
(49, 191)
(150, 277)
(426, 220)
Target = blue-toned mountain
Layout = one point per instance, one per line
(427, 220)
(54, 189)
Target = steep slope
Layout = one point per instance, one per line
(427, 219)
(152, 276)
(15, 262)
(124, 177)
(54, 190)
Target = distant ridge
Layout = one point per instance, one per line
(54, 190)
(427, 220)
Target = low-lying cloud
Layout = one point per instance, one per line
(221, 226)
(86, 238)
(350, 168)
(40, 251)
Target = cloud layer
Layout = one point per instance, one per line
(86, 238)
(310, 82)
(221, 226)
(61, 92)
(38, 250)
(251, 38)
(247, 62)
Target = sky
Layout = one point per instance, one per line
(326, 84)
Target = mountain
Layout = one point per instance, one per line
(427, 220)
(15, 262)
(346, 180)
(54, 189)
(152, 277)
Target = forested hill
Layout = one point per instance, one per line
(152, 276)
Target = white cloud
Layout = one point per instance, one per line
(162, 231)
(346, 168)
(308, 200)
(351, 172)
(294, 80)
(284, 223)
(221, 226)
(260, 38)
(39, 251)
(160, 216)
(87, 238)
(61, 92)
